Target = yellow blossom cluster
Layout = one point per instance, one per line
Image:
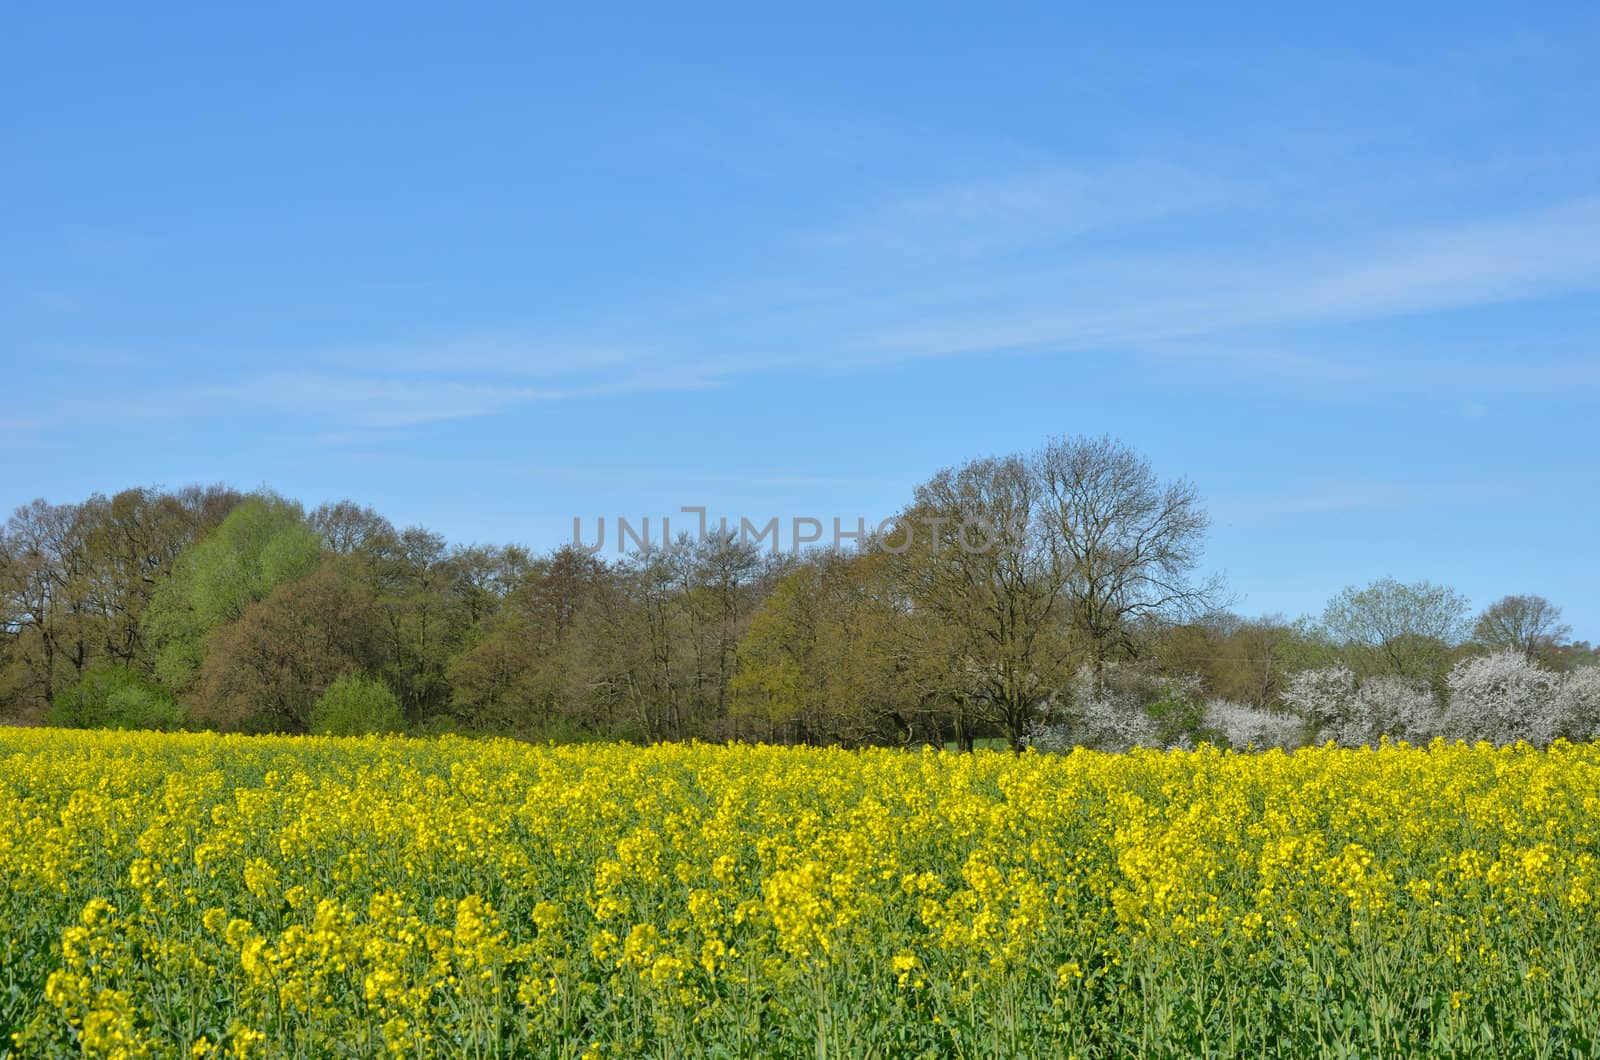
(217, 896)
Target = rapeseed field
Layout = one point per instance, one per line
(205, 896)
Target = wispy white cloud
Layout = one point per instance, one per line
(509, 355)
(1024, 209)
(351, 407)
(1538, 254)
(1530, 255)
(377, 402)
(1044, 260)
(383, 402)
(1330, 496)
(673, 474)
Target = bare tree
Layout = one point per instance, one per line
(1526, 623)
(978, 560)
(347, 528)
(1128, 542)
(719, 580)
(30, 586)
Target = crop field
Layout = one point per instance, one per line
(199, 895)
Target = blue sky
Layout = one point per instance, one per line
(491, 269)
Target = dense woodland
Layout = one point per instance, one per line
(1048, 598)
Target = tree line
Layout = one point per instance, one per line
(1051, 597)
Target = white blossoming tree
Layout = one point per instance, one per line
(1502, 698)
(1244, 726)
(1578, 703)
(1338, 707)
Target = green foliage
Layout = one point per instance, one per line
(1179, 719)
(355, 705)
(112, 696)
(263, 543)
(1406, 630)
(175, 633)
(264, 672)
(770, 682)
(245, 611)
(819, 660)
(1308, 646)
(436, 725)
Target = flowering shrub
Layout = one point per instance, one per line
(1107, 714)
(1323, 697)
(1339, 708)
(1242, 726)
(1577, 703)
(1502, 698)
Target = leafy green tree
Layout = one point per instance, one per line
(1180, 719)
(828, 657)
(1307, 645)
(112, 696)
(264, 672)
(1402, 629)
(357, 704)
(516, 675)
(624, 649)
(263, 543)
(778, 679)
(1577, 654)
